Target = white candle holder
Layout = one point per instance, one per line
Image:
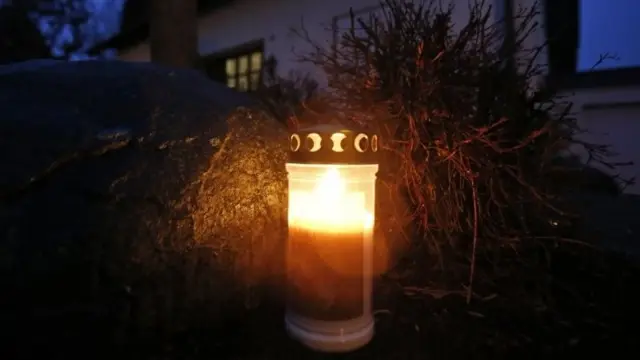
(332, 175)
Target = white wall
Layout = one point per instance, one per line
(611, 116)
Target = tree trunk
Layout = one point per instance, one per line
(174, 32)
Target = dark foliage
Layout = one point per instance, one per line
(286, 98)
(20, 39)
(471, 139)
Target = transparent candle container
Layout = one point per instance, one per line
(329, 255)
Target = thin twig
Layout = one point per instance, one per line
(472, 269)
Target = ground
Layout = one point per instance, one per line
(580, 302)
(586, 307)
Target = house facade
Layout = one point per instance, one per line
(237, 37)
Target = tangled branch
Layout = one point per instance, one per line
(471, 140)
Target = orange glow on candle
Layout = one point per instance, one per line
(329, 207)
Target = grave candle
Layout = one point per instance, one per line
(329, 250)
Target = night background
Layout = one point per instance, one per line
(188, 205)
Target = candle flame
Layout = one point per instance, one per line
(330, 206)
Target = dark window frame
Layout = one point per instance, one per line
(563, 17)
(215, 63)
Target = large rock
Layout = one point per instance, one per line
(129, 197)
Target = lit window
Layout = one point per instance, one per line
(608, 27)
(244, 72)
(239, 68)
(579, 32)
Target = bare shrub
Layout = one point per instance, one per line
(469, 141)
